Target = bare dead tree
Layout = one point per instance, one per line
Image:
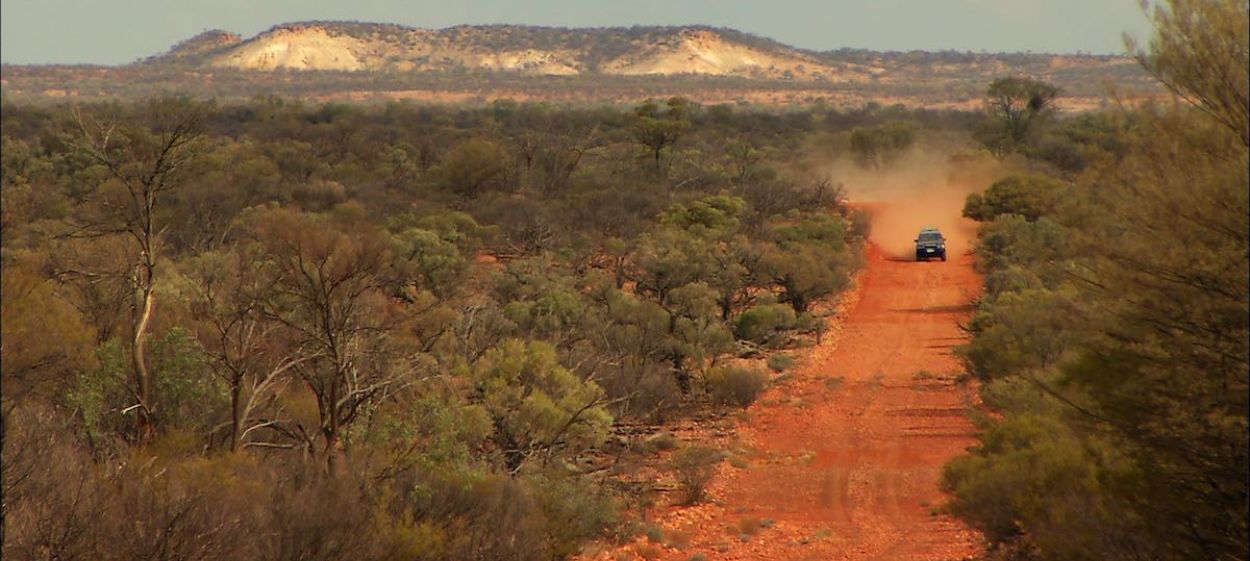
(326, 297)
(229, 291)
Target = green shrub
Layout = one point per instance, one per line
(736, 385)
(780, 362)
(765, 324)
(1030, 196)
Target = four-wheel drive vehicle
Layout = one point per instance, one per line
(929, 244)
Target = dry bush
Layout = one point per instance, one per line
(320, 519)
(694, 468)
(677, 539)
(62, 505)
(454, 516)
(319, 195)
(663, 440)
(652, 395)
(574, 511)
(648, 551)
(736, 385)
(49, 494)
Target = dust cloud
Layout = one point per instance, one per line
(924, 188)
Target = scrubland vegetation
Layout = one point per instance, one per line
(283, 331)
(1112, 338)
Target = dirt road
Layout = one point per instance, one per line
(844, 459)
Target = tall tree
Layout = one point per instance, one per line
(658, 130)
(1014, 107)
(880, 145)
(328, 298)
(228, 291)
(144, 162)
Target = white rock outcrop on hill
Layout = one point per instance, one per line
(309, 48)
(705, 52)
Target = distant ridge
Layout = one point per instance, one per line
(528, 50)
(354, 61)
(198, 48)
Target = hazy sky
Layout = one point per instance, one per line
(121, 31)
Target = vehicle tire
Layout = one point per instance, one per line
(943, 256)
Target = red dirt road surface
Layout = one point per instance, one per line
(844, 459)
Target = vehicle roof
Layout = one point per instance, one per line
(929, 229)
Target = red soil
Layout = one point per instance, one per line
(846, 456)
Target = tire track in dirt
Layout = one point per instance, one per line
(847, 455)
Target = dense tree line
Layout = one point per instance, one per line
(1112, 338)
(287, 331)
